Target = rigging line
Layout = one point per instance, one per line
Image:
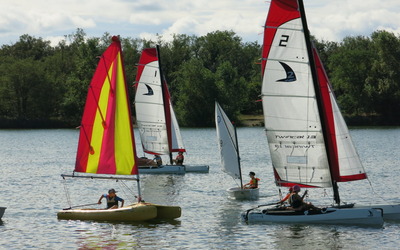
(312, 174)
(373, 191)
(124, 187)
(98, 107)
(299, 168)
(294, 145)
(66, 192)
(108, 76)
(91, 150)
(307, 148)
(286, 172)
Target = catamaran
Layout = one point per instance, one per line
(106, 147)
(155, 117)
(308, 140)
(230, 159)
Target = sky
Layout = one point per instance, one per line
(52, 20)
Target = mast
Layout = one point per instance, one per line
(238, 156)
(166, 101)
(318, 96)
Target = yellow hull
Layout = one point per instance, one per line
(131, 213)
(135, 212)
(167, 212)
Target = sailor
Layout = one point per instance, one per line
(297, 203)
(253, 182)
(179, 158)
(112, 199)
(158, 160)
(290, 192)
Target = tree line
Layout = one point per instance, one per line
(44, 86)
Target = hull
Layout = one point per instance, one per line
(243, 194)
(132, 213)
(173, 169)
(2, 210)
(334, 216)
(163, 169)
(167, 212)
(390, 211)
(197, 168)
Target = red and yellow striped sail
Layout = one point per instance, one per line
(106, 140)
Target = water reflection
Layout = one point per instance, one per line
(94, 235)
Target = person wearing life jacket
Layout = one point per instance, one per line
(158, 160)
(287, 196)
(297, 203)
(253, 182)
(112, 199)
(179, 158)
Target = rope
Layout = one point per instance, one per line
(67, 193)
(373, 191)
(125, 187)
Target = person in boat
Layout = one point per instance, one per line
(158, 160)
(179, 159)
(112, 199)
(144, 161)
(297, 203)
(287, 196)
(253, 182)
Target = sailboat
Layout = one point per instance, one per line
(2, 210)
(106, 147)
(155, 117)
(308, 140)
(230, 159)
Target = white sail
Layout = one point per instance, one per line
(176, 137)
(291, 113)
(149, 106)
(347, 160)
(227, 143)
(158, 126)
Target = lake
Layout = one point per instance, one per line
(33, 191)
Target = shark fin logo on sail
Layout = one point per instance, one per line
(149, 90)
(290, 75)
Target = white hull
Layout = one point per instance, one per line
(346, 216)
(2, 210)
(173, 169)
(243, 194)
(390, 211)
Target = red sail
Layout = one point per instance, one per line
(106, 142)
(280, 12)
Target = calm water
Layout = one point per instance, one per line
(31, 162)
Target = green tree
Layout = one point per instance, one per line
(349, 68)
(195, 95)
(383, 84)
(84, 55)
